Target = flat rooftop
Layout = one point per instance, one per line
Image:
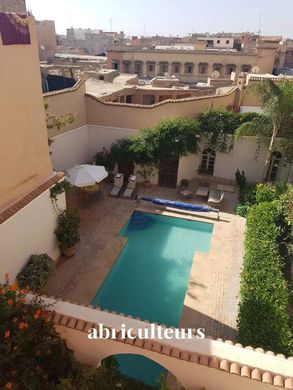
(81, 57)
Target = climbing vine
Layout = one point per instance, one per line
(56, 190)
(180, 137)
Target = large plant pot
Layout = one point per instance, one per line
(147, 184)
(68, 252)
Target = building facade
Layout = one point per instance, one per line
(27, 216)
(46, 39)
(192, 65)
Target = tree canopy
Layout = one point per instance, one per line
(276, 101)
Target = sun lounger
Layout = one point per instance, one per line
(216, 197)
(128, 193)
(225, 187)
(118, 184)
(203, 190)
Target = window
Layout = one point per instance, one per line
(101, 77)
(208, 162)
(203, 68)
(246, 68)
(189, 68)
(217, 67)
(227, 42)
(274, 166)
(129, 99)
(127, 67)
(138, 68)
(151, 68)
(176, 68)
(115, 65)
(164, 66)
(218, 41)
(230, 68)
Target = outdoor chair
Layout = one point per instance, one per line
(216, 198)
(128, 193)
(118, 184)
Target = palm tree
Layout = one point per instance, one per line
(276, 101)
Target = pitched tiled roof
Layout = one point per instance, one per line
(26, 199)
(214, 362)
(150, 106)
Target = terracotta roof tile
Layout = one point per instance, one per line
(194, 357)
(245, 371)
(204, 360)
(278, 381)
(224, 365)
(235, 369)
(289, 383)
(26, 199)
(213, 362)
(175, 353)
(150, 106)
(256, 374)
(267, 378)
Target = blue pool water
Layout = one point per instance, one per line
(149, 278)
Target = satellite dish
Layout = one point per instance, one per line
(215, 74)
(255, 69)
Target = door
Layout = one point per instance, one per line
(274, 166)
(168, 170)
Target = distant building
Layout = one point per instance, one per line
(92, 41)
(46, 39)
(97, 43)
(193, 63)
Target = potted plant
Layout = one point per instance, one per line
(36, 272)
(67, 232)
(147, 172)
(184, 183)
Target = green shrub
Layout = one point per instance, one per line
(106, 159)
(32, 354)
(36, 272)
(67, 229)
(265, 192)
(248, 194)
(242, 209)
(184, 183)
(263, 319)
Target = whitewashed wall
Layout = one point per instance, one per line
(102, 136)
(80, 145)
(70, 149)
(243, 157)
(29, 231)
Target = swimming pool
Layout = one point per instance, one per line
(150, 276)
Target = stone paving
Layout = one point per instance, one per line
(211, 299)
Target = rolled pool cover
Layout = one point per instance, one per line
(179, 205)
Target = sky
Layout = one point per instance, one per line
(168, 17)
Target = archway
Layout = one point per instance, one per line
(142, 368)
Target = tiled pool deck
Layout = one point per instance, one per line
(211, 300)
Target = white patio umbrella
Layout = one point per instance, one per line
(86, 175)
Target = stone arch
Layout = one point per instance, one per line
(140, 367)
